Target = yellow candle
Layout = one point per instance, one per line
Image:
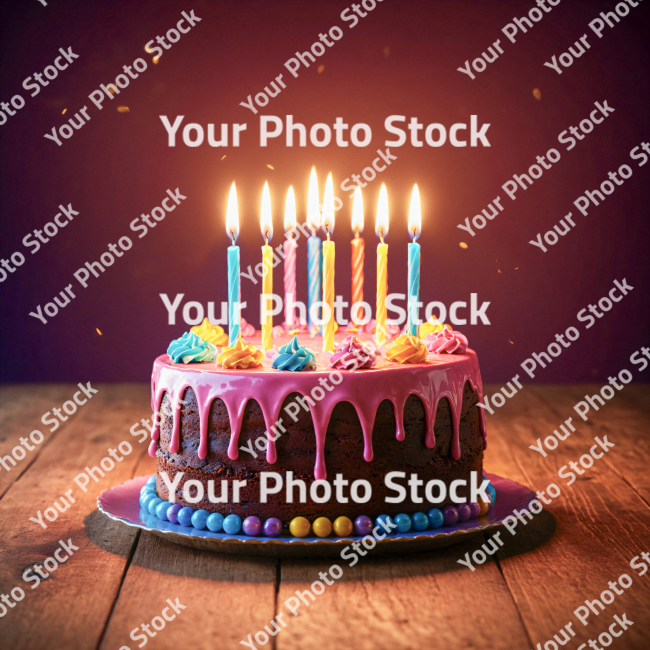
(381, 229)
(328, 265)
(266, 224)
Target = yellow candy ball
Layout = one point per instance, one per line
(299, 527)
(484, 507)
(343, 526)
(322, 527)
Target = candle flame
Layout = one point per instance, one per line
(232, 215)
(266, 222)
(290, 211)
(328, 206)
(313, 213)
(357, 211)
(415, 215)
(381, 223)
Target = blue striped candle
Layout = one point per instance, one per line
(414, 288)
(234, 312)
(314, 270)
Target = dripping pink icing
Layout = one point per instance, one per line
(364, 389)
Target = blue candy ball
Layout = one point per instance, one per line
(148, 488)
(232, 524)
(387, 519)
(420, 521)
(403, 523)
(151, 480)
(145, 498)
(436, 518)
(185, 516)
(214, 522)
(161, 510)
(153, 504)
(199, 519)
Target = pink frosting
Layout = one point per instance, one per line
(246, 329)
(352, 355)
(447, 341)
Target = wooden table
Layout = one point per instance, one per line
(120, 577)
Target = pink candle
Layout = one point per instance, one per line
(289, 249)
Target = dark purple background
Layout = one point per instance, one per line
(119, 166)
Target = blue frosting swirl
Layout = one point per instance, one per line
(293, 356)
(191, 348)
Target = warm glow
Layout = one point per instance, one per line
(381, 223)
(232, 215)
(415, 216)
(290, 211)
(266, 223)
(357, 211)
(313, 213)
(328, 206)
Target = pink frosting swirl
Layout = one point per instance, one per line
(351, 354)
(448, 341)
(246, 329)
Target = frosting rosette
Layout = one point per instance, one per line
(294, 357)
(210, 333)
(447, 341)
(240, 355)
(191, 348)
(432, 328)
(351, 354)
(407, 349)
(246, 328)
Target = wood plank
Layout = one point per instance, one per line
(401, 602)
(73, 604)
(600, 525)
(227, 597)
(20, 414)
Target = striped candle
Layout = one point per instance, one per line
(314, 261)
(381, 230)
(234, 293)
(289, 250)
(266, 225)
(358, 255)
(328, 265)
(413, 295)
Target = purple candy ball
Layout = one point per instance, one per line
(464, 511)
(172, 512)
(363, 525)
(474, 508)
(451, 515)
(272, 527)
(252, 526)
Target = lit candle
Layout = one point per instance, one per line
(328, 264)
(266, 224)
(289, 258)
(381, 230)
(313, 248)
(232, 229)
(415, 226)
(358, 253)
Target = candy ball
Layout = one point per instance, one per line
(151, 480)
(384, 519)
(484, 507)
(475, 509)
(199, 518)
(214, 522)
(322, 527)
(436, 518)
(185, 516)
(232, 524)
(252, 526)
(161, 510)
(172, 512)
(464, 511)
(272, 527)
(148, 488)
(145, 498)
(342, 526)
(420, 521)
(153, 504)
(403, 523)
(299, 527)
(451, 515)
(363, 525)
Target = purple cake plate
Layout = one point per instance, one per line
(121, 503)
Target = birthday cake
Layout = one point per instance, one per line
(264, 441)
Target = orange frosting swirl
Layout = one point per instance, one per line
(427, 328)
(210, 333)
(240, 355)
(407, 349)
